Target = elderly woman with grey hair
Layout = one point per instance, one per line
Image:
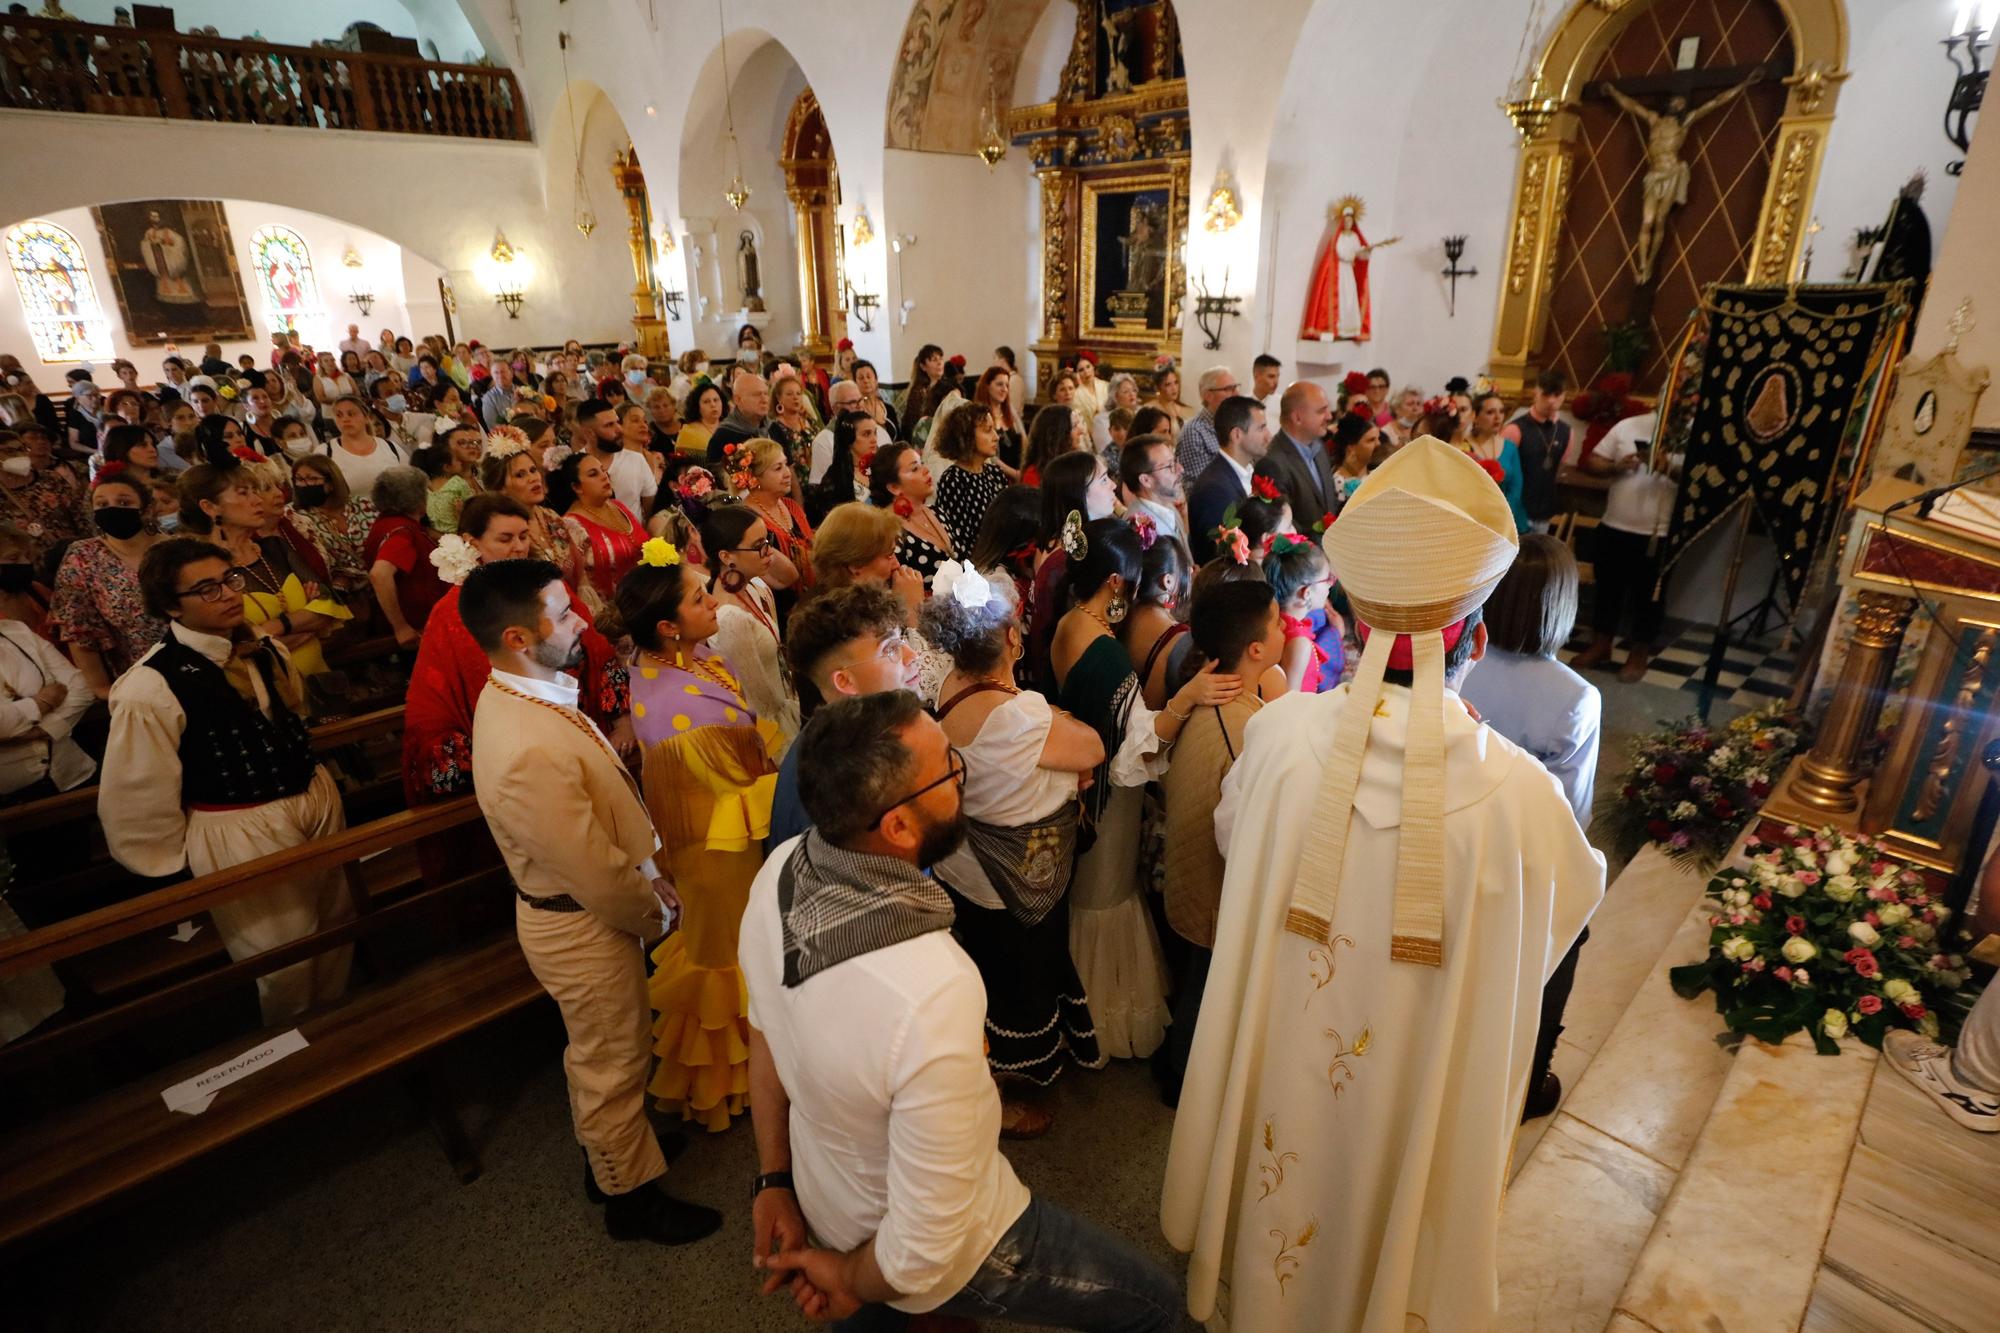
(397, 554)
(1120, 391)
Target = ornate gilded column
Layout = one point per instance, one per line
(1825, 781)
(1795, 164)
(813, 210)
(1541, 195)
(649, 329)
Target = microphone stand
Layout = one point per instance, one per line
(1925, 500)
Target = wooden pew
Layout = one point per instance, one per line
(83, 1154)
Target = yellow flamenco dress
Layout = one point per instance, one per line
(278, 584)
(708, 777)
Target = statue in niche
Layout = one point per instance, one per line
(1117, 75)
(1140, 302)
(748, 273)
(1666, 180)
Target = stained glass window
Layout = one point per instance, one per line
(285, 272)
(57, 297)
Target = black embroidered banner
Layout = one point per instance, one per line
(1782, 372)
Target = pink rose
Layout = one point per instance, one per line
(1869, 1004)
(1795, 925)
(1808, 877)
(1906, 941)
(1872, 918)
(1914, 1010)
(1863, 962)
(1877, 868)
(1762, 902)
(1783, 974)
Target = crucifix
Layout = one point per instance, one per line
(1665, 183)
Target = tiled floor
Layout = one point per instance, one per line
(1755, 673)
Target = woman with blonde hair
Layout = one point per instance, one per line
(766, 469)
(1167, 394)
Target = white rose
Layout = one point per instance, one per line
(1764, 872)
(1685, 810)
(1893, 914)
(1800, 977)
(1721, 757)
(1899, 992)
(1840, 861)
(1738, 949)
(1791, 888)
(1943, 913)
(1833, 1023)
(1864, 935)
(1842, 888)
(1798, 949)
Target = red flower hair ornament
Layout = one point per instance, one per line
(1265, 489)
(903, 508)
(1495, 470)
(1148, 530)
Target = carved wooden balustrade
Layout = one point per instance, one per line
(51, 65)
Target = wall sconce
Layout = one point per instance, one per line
(357, 285)
(671, 299)
(863, 305)
(1224, 211)
(1211, 308)
(1969, 34)
(507, 275)
(860, 231)
(364, 300)
(1454, 250)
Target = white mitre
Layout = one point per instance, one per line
(1419, 546)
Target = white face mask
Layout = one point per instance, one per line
(17, 466)
(635, 377)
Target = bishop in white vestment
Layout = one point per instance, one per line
(1401, 881)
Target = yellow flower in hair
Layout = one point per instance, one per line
(659, 553)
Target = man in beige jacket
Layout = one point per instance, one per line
(577, 839)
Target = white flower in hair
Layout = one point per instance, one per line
(506, 441)
(962, 583)
(454, 558)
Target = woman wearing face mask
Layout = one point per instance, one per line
(332, 520)
(97, 608)
(43, 500)
(708, 780)
(451, 669)
(23, 595)
(511, 468)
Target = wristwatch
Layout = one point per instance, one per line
(771, 1180)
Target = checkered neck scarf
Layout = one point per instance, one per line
(836, 905)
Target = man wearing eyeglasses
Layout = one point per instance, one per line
(1198, 445)
(880, 1180)
(209, 765)
(1154, 483)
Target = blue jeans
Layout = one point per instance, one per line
(1055, 1269)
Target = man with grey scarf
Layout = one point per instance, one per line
(868, 1066)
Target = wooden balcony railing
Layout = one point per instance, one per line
(52, 65)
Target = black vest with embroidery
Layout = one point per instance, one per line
(231, 754)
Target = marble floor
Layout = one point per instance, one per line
(347, 1217)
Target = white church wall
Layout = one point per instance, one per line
(969, 269)
(442, 199)
(386, 266)
(1968, 268)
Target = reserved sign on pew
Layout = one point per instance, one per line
(193, 1096)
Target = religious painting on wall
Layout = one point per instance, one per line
(173, 268)
(1125, 255)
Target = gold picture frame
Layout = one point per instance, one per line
(174, 271)
(1131, 287)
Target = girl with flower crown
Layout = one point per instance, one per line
(1297, 571)
(512, 468)
(707, 777)
(743, 565)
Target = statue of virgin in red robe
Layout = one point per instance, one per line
(1337, 305)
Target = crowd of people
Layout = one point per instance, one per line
(865, 761)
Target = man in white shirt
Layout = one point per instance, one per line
(1151, 474)
(632, 481)
(1265, 372)
(354, 342)
(844, 396)
(210, 765)
(877, 1121)
(497, 403)
(41, 696)
(1627, 555)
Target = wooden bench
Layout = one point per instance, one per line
(83, 1154)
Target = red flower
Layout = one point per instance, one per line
(1722, 809)
(1265, 489)
(1863, 962)
(1795, 925)
(1665, 773)
(1869, 1004)
(1325, 522)
(1914, 1010)
(865, 461)
(1658, 828)
(1354, 381)
(1631, 792)
(903, 508)
(1494, 470)
(1760, 789)
(1762, 902)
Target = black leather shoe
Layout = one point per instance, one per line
(672, 1145)
(650, 1213)
(1542, 1098)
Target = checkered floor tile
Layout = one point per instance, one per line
(1754, 673)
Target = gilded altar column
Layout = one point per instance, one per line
(1795, 163)
(1825, 781)
(813, 211)
(1541, 196)
(649, 329)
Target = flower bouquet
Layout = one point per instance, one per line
(1692, 787)
(1820, 932)
(1603, 405)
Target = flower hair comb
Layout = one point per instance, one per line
(1146, 527)
(659, 553)
(1075, 545)
(1265, 489)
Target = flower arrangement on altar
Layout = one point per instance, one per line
(1605, 404)
(1820, 932)
(1691, 787)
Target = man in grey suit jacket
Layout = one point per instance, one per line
(1298, 461)
(1239, 424)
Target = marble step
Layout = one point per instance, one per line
(1604, 1166)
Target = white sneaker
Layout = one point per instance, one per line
(1928, 1065)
